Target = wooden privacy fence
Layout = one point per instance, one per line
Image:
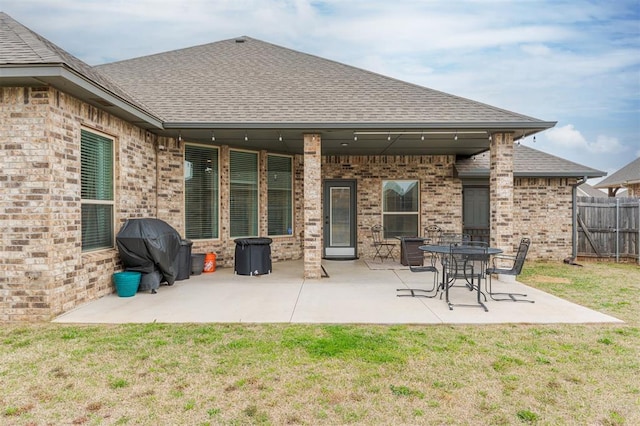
(608, 227)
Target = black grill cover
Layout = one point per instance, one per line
(148, 245)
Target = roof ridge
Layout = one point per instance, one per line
(396, 79)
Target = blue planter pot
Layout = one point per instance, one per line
(127, 283)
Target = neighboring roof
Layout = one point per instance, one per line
(26, 57)
(627, 175)
(527, 162)
(586, 190)
(250, 81)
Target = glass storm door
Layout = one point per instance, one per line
(339, 210)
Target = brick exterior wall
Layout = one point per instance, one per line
(633, 190)
(43, 271)
(542, 212)
(501, 191)
(440, 191)
(312, 203)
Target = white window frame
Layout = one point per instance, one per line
(112, 202)
(398, 213)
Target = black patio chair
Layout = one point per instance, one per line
(432, 234)
(416, 261)
(514, 268)
(383, 248)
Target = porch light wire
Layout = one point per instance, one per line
(422, 136)
(355, 136)
(389, 136)
(280, 137)
(246, 138)
(213, 137)
(455, 138)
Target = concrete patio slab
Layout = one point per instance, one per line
(353, 293)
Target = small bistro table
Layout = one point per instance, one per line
(442, 250)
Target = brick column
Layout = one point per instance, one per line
(312, 206)
(501, 191)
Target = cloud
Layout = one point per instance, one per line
(568, 61)
(569, 137)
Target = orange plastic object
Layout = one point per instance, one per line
(210, 262)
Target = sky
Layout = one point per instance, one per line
(576, 62)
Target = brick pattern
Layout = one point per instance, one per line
(312, 206)
(44, 271)
(170, 182)
(501, 191)
(542, 212)
(440, 191)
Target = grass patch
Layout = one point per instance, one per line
(235, 374)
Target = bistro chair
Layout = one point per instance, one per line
(432, 234)
(514, 268)
(383, 248)
(466, 260)
(416, 261)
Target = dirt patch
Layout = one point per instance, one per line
(550, 280)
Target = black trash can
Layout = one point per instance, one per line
(253, 256)
(414, 253)
(183, 260)
(197, 263)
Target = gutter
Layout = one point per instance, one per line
(529, 126)
(74, 81)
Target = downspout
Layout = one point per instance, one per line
(574, 224)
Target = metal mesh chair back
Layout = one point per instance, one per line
(523, 249)
(432, 234)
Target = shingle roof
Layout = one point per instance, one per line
(21, 46)
(527, 162)
(247, 80)
(590, 191)
(626, 175)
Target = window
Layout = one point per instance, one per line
(280, 195)
(96, 176)
(243, 203)
(400, 207)
(201, 192)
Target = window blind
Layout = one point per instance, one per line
(243, 203)
(201, 192)
(97, 189)
(279, 186)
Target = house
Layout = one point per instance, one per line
(243, 138)
(627, 177)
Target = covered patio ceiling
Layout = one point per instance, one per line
(465, 140)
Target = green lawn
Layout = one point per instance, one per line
(322, 374)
